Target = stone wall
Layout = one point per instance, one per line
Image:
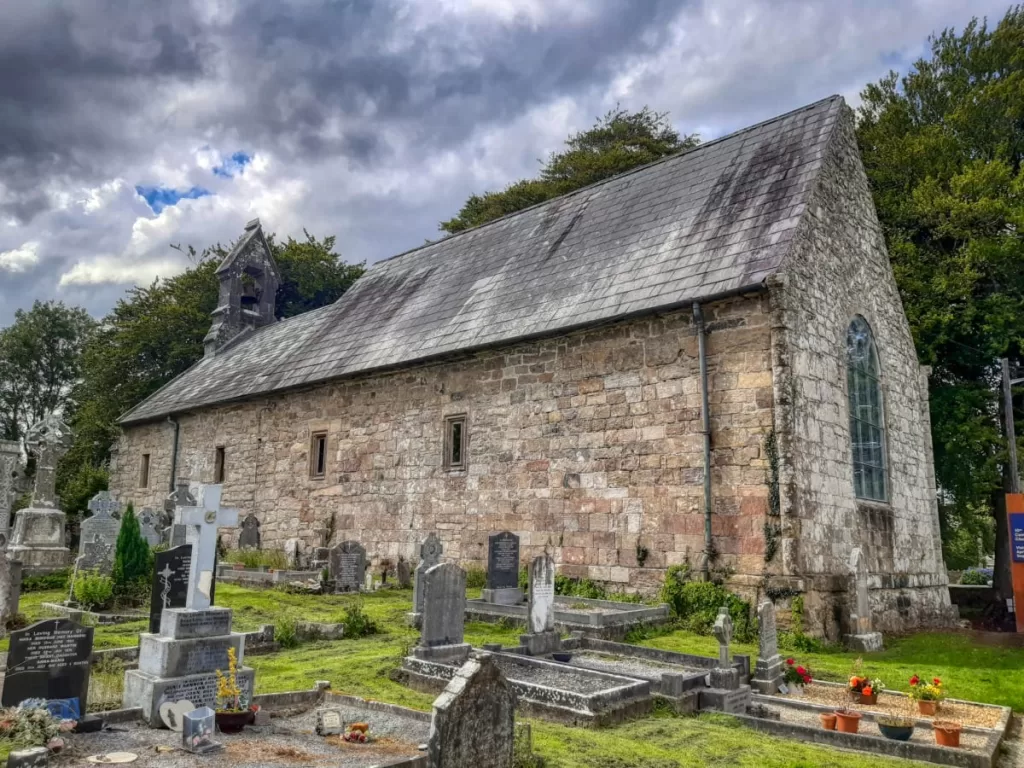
(587, 443)
(839, 268)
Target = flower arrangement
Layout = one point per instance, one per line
(32, 725)
(796, 674)
(229, 695)
(924, 691)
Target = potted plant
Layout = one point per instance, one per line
(865, 690)
(796, 676)
(232, 713)
(947, 733)
(847, 721)
(828, 720)
(927, 695)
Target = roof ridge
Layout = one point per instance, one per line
(631, 171)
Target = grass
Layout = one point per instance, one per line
(363, 667)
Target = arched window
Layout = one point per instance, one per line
(867, 423)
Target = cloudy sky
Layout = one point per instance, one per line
(126, 127)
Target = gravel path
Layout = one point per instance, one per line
(287, 743)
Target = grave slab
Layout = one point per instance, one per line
(148, 692)
(168, 657)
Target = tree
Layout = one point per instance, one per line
(616, 143)
(39, 363)
(156, 332)
(943, 148)
(133, 559)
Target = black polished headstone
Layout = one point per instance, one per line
(170, 582)
(249, 538)
(502, 560)
(48, 660)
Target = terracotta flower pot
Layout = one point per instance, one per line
(870, 700)
(847, 722)
(854, 695)
(927, 707)
(947, 734)
(233, 722)
(828, 720)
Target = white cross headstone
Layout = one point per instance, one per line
(207, 516)
(723, 633)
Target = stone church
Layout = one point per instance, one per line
(702, 361)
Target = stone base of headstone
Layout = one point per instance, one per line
(768, 675)
(181, 661)
(870, 641)
(508, 596)
(33, 757)
(728, 679)
(540, 643)
(38, 540)
(446, 653)
(732, 701)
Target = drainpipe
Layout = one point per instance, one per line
(174, 453)
(705, 413)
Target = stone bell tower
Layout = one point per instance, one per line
(248, 287)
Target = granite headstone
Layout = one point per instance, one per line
(768, 672)
(149, 526)
(48, 660)
(444, 612)
(404, 574)
(348, 566)
(249, 538)
(503, 569)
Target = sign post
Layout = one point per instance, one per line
(1015, 517)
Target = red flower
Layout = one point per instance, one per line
(801, 671)
(936, 681)
(790, 662)
(915, 680)
(807, 679)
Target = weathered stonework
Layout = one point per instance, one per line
(584, 443)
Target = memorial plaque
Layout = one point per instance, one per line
(329, 722)
(48, 660)
(348, 566)
(503, 561)
(1017, 536)
(170, 582)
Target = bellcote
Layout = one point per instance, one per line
(248, 287)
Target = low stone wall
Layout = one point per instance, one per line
(229, 574)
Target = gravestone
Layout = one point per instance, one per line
(404, 575)
(10, 570)
(38, 539)
(99, 534)
(503, 569)
(170, 582)
(473, 722)
(149, 526)
(329, 721)
(348, 566)
(249, 538)
(430, 555)
(724, 691)
(541, 637)
(768, 673)
(862, 636)
(48, 660)
(180, 662)
(176, 533)
(444, 610)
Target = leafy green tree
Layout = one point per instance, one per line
(156, 333)
(617, 142)
(133, 560)
(943, 148)
(39, 363)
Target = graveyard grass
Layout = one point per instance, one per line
(363, 667)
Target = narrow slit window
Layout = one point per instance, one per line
(218, 465)
(455, 442)
(867, 420)
(318, 455)
(144, 471)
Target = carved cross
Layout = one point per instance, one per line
(50, 440)
(181, 497)
(10, 456)
(430, 549)
(723, 633)
(102, 505)
(207, 516)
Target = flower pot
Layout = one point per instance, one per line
(847, 722)
(927, 707)
(869, 700)
(233, 722)
(897, 732)
(947, 734)
(828, 720)
(796, 690)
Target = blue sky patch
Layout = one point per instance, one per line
(158, 198)
(233, 165)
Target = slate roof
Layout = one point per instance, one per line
(713, 220)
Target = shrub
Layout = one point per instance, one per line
(94, 590)
(974, 577)
(133, 560)
(476, 577)
(579, 588)
(696, 603)
(57, 580)
(258, 558)
(285, 633)
(357, 623)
